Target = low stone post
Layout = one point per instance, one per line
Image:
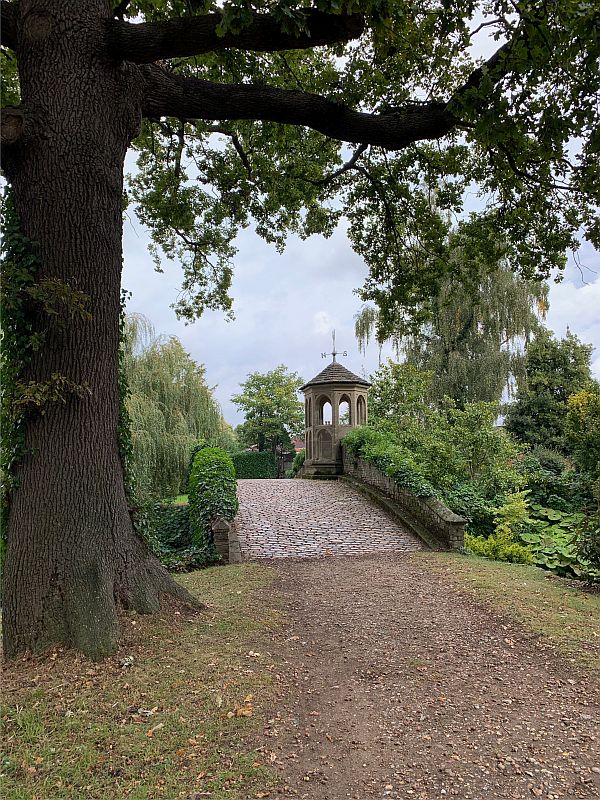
(220, 530)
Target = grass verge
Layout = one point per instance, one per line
(566, 615)
(164, 718)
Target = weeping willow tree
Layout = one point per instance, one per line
(475, 336)
(170, 407)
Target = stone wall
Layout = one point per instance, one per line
(432, 519)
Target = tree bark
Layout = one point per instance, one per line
(146, 42)
(169, 95)
(73, 556)
(7, 24)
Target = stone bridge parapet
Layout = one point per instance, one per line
(430, 519)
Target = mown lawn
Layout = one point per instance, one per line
(565, 613)
(165, 718)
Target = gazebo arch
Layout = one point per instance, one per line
(345, 417)
(322, 411)
(361, 410)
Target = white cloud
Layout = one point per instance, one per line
(575, 304)
(323, 323)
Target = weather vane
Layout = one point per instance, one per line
(334, 353)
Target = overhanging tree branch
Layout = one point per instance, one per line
(171, 95)
(496, 67)
(7, 24)
(346, 167)
(236, 143)
(147, 42)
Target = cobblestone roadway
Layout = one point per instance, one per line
(304, 519)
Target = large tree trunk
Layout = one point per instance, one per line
(73, 555)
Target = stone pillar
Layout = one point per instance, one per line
(220, 530)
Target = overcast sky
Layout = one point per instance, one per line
(286, 306)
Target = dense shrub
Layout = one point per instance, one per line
(255, 464)
(172, 525)
(393, 460)
(551, 536)
(587, 543)
(511, 519)
(450, 445)
(468, 500)
(166, 529)
(200, 445)
(552, 481)
(297, 463)
(498, 547)
(551, 460)
(212, 493)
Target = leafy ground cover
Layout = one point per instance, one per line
(552, 540)
(164, 718)
(562, 612)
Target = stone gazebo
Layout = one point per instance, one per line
(335, 401)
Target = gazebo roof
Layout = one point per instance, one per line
(335, 373)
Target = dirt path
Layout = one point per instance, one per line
(395, 686)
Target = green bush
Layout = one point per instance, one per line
(553, 539)
(511, 518)
(393, 460)
(212, 493)
(498, 547)
(172, 526)
(538, 535)
(297, 463)
(200, 445)
(255, 464)
(587, 543)
(166, 529)
(550, 460)
(468, 500)
(552, 481)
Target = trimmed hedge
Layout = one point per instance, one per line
(200, 445)
(255, 464)
(212, 493)
(393, 460)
